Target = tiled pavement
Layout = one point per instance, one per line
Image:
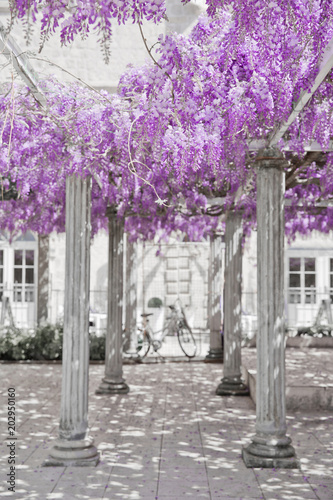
(169, 438)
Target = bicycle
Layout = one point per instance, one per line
(176, 324)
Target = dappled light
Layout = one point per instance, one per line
(170, 437)
(309, 377)
(189, 146)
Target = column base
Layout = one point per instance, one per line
(107, 387)
(270, 456)
(270, 451)
(232, 387)
(214, 356)
(79, 453)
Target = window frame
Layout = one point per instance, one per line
(23, 290)
(305, 295)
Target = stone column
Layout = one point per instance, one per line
(113, 382)
(215, 353)
(74, 446)
(232, 383)
(43, 279)
(131, 273)
(270, 446)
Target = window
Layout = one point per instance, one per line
(1, 274)
(302, 280)
(24, 275)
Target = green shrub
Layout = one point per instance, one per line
(97, 347)
(45, 343)
(315, 331)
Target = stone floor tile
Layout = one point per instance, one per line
(201, 495)
(130, 489)
(221, 496)
(160, 432)
(183, 486)
(284, 484)
(189, 474)
(181, 461)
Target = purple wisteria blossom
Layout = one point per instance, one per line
(177, 133)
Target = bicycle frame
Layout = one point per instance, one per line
(176, 324)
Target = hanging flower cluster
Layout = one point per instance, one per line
(73, 19)
(178, 132)
(206, 100)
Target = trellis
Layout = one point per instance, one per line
(270, 447)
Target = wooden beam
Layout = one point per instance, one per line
(319, 204)
(325, 66)
(312, 146)
(10, 49)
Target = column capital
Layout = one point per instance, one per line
(270, 157)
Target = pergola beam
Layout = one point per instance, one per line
(311, 147)
(10, 49)
(325, 66)
(318, 204)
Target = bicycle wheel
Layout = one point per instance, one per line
(186, 341)
(143, 343)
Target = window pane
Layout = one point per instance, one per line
(310, 298)
(1, 275)
(29, 295)
(331, 265)
(331, 281)
(17, 275)
(29, 275)
(29, 257)
(294, 298)
(1, 258)
(310, 264)
(294, 264)
(294, 280)
(18, 295)
(310, 280)
(18, 257)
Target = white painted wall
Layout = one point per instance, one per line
(85, 59)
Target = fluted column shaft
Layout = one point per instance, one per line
(43, 279)
(233, 296)
(214, 299)
(131, 298)
(113, 381)
(74, 446)
(270, 447)
(232, 380)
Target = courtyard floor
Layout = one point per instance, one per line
(169, 438)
